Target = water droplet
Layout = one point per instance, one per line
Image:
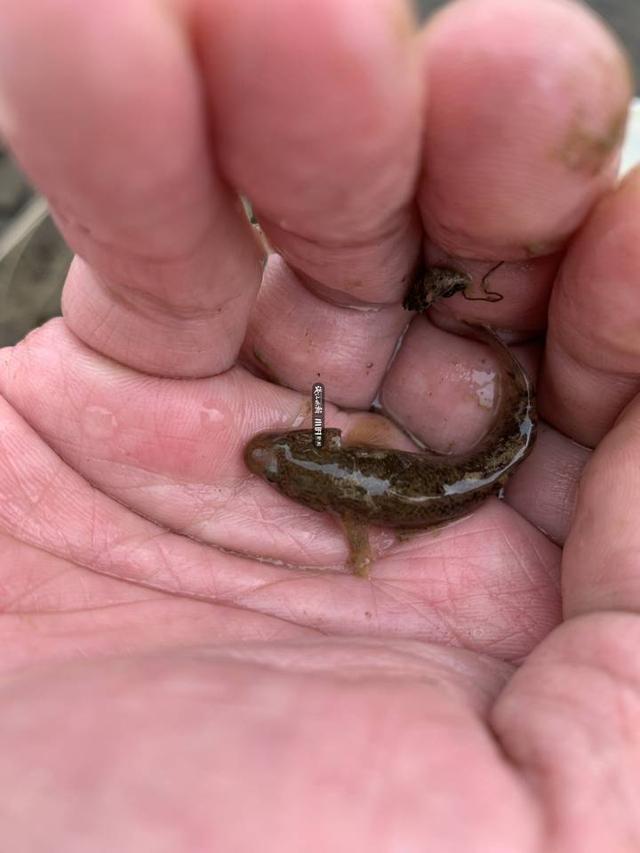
(99, 423)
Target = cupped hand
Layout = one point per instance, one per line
(187, 663)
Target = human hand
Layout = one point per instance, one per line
(165, 689)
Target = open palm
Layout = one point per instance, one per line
(188, 665)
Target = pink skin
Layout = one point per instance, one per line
(159, 680)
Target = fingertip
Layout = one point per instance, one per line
(317, 111)
(521, 136)
(592, 360)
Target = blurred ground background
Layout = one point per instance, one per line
(34, 258)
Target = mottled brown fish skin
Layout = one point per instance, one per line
(396, 488)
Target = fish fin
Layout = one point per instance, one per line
(357, 533)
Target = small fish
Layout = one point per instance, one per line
(366, 485)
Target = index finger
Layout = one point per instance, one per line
(114, 133)
(139, 173)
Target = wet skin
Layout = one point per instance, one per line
(367, 485)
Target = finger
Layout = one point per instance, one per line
(592, 357)
(318, 117)
(445, 391)
(121, 150)
(521, 138)
(600, 563)
(444, 388)
(567, 720)
(521, 292)
(296, 338)
(334, 185)
(544, 490)
(570, 703)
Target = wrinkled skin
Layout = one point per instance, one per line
(163, 690)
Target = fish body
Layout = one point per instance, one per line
(396, 488)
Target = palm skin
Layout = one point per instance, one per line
(163, 689)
